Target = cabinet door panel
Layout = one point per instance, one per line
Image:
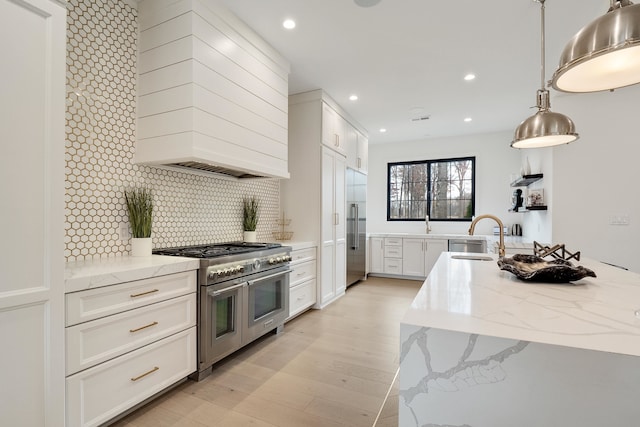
(340, 201)
(363, 153)
(328, 213)
(341, 266)
(33, 46)
(413, 257)
(327, 278)
(434, 248)
(351, 145)
(376, 255)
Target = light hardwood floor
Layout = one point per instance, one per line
(330, 367)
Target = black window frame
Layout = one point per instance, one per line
(430, 162)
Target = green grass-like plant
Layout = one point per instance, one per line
(250, 214)
(140, 207)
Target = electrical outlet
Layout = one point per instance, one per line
(123, 232)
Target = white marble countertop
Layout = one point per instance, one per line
(431, 236)
(296, 245)
(477, 297)
(81, 275)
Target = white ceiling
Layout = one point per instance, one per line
(405, 54)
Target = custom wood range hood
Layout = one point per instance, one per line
(212, 95)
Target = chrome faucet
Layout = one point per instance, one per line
(426, 220)
(501, 249)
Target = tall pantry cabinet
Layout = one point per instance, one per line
(314, 196)
(33, 46)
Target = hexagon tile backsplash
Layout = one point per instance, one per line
(100, 129)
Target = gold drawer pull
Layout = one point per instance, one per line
(143, 327)
(144, 293)
(155, 368)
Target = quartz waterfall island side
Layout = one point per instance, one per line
(481, 348)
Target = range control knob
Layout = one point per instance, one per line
(278, 259)
(219, 273)
(272, 261)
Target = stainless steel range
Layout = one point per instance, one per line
(243, 293)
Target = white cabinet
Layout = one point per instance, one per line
(333, 229)
(33, 46)
(127, 342)
(333, 129)
(357, 149)
(314, 196)
(404, 256)
(420, 255)
(376, 255)
(302, 282)
(362, 159)
(392, 255)
(414, 259)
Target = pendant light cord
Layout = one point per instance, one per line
(542, 43)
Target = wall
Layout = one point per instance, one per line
(596, 177)
(100, 128)
(496, 162)
(538, 225)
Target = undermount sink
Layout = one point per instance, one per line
(473, 257)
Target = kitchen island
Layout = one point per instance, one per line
(481, 348)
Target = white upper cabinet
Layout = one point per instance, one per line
(362, 154)
(333, 129)
(213, 95)
(357, 148)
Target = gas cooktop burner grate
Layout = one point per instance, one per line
(215, 250)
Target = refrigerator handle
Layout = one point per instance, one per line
(356, 226)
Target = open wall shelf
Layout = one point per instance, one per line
(526, 180)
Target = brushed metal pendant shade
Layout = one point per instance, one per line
(545, 128)
(603, 55)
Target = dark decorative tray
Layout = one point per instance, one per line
(536, 269)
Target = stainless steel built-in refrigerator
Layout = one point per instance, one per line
(356, 226)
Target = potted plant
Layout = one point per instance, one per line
(140, 208)
(249, 218)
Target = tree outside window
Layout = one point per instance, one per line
(443, 189)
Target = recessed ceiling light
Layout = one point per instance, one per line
(353, 98)
(468, 119)
(470, 77)
(382, 130)
(289, 24)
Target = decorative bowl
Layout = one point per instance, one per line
(535, 269)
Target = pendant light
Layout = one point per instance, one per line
(603, 55)
(545, 128)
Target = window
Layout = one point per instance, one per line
(443, 189)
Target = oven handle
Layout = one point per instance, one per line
(222, 291)
(271, 276)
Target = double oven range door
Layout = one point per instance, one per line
(236, 312)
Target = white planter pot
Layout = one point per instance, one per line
(249, 236)
(141, 246)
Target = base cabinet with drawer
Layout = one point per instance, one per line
(127, 342)
(385, 255)
(302, 280)
(403, 256)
